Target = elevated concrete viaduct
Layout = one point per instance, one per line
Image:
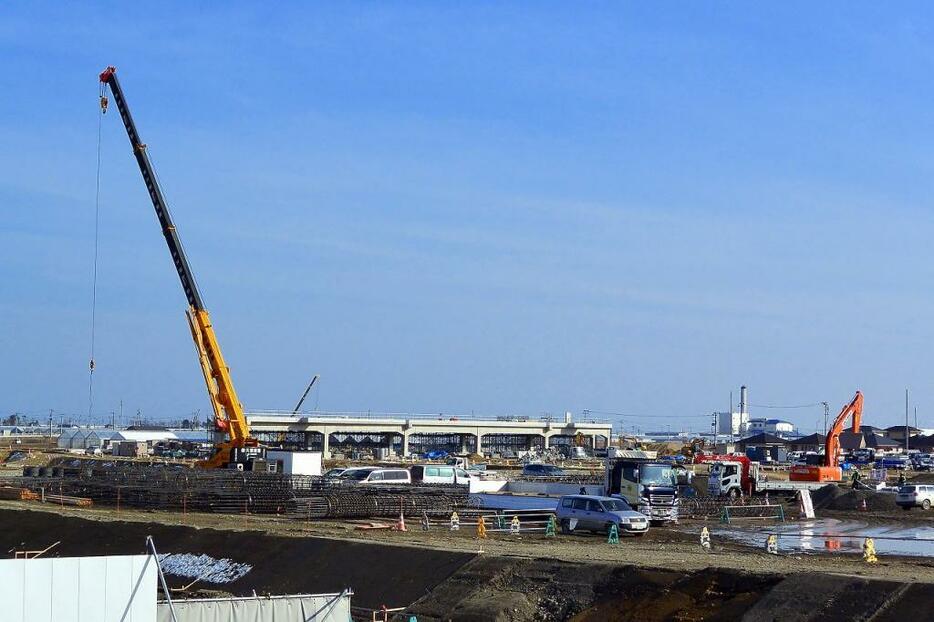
(475, 434)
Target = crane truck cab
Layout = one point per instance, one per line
(733, 477)
(650, 486)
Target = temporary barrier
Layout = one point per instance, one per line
(705, 538)
(455, 522)
(869, 551)
(613, 535)
(771, 544)
(306, 607)
(481, 528)
(79, 589)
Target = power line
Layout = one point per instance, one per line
(782, 406)
(588, 411)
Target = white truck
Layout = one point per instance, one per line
(739, 475)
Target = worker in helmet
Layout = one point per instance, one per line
(856, 477)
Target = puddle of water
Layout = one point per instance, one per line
(833, 535)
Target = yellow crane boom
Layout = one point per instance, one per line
(238, 446)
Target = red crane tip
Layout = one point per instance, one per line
(107, 73)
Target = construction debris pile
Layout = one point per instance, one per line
(232, 491)
(834, 497)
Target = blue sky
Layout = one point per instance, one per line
(501, 208)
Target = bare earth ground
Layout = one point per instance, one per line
(661, 548)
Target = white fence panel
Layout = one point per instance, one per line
(79, 589)
(300, 608)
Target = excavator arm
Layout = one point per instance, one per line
(830, 470)
(832, 445)
(228, 412)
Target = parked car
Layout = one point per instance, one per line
(864, 455)
(334, 473)
(439, 474)
(914, 495)
(896, 461)
(542, 470)
(594, 513)
(922, 462)
(376, 475)
(93, 451)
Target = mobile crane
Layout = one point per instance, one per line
(238, 449)
(830, 471)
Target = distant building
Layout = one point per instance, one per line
(866, 439)
(769, 426)
(897, 434)
(761, 440)
(812, 442)
(734, 424)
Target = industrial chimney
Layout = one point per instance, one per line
(743, 401)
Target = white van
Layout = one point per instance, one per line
(376, 475)
(913, 495)
(439, 474)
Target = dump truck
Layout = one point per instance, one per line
(647, 484)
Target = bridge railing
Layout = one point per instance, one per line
(446, 417)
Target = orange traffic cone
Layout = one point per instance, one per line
(400, 524)
(863, 505)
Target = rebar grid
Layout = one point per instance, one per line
(232, 492)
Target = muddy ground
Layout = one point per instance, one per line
(672, 548)
(444, 575)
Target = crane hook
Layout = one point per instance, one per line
(103, 104)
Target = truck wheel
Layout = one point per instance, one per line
(926, 504)
(566, 527)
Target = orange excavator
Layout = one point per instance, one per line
(830, 471)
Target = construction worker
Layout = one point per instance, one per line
(901, 479)
(856, 477)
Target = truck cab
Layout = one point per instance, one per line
(649, 486)
(732, 478)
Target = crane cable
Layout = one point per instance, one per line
(97, 219)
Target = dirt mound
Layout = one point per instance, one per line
(833, 497)
(499, 589)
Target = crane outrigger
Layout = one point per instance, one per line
(238, 447)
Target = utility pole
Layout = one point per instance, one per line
(50, 424)
(826, 416)
(916, 418)
(906, 421)
(731, 417)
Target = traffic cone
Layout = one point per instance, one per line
(863, 505)
(400, 525)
